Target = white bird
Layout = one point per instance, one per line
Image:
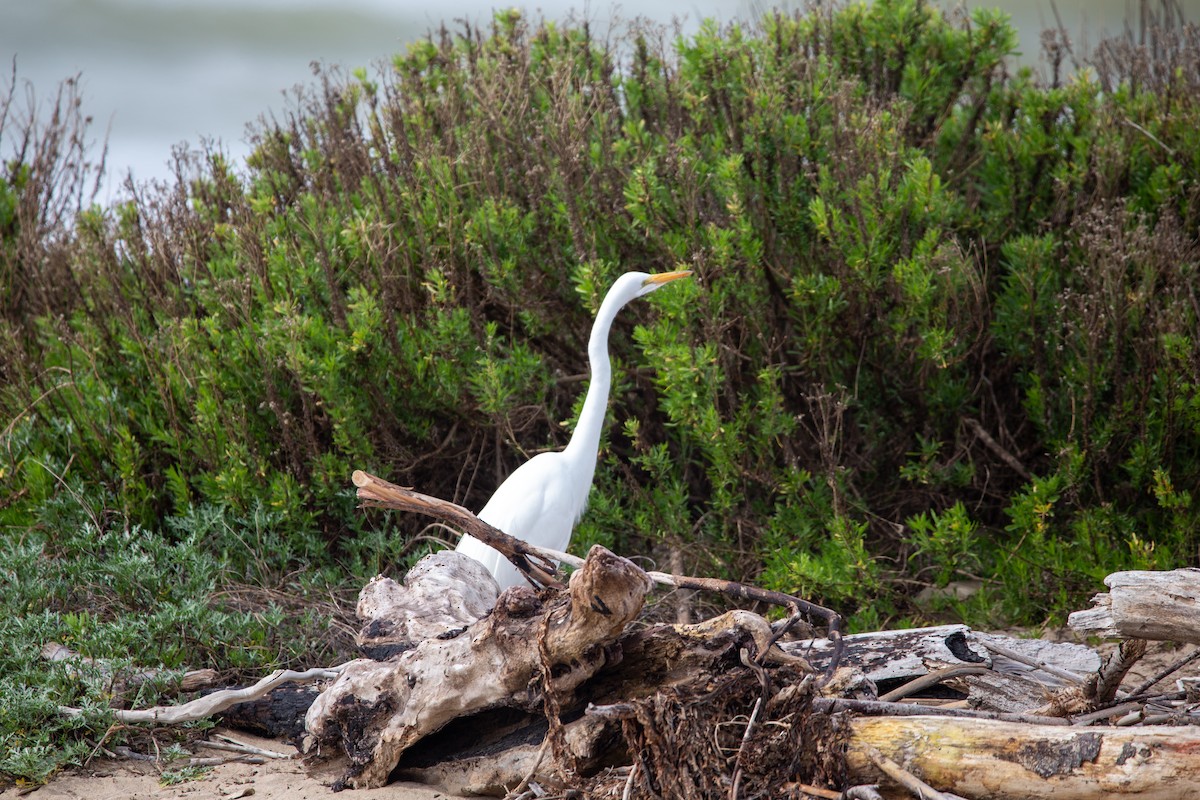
(542, 500)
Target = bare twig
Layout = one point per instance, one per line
(1178, 665)
(997, 448)
(1031, 662)
(1148, 135)
(737, 770)
(216, 762)
(221, 742)
(131, 754)
(903, 777)
(1106, 713)
(815, 791)
(207, 706)
(190, 681)
(629, 782)
(537, 762)
(832, 705)
(932, 679)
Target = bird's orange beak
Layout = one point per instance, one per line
(667, 277)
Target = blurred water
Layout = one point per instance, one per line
(156, 73)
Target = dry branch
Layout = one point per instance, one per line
(375, 491)
(126, 679)
(538, 563)
(213, 704)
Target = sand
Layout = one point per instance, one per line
(278, 779)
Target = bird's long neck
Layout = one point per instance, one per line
(585, 442)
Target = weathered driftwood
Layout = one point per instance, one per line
(663, 658)
(123, 680)
(378, 709)
(885, 656)
(539, 564)
(443, 593)
(1002, 760)
(212, 704)
(1161, 606)
(482, 755)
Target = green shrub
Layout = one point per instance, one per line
(943, 327)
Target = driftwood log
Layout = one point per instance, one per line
(1160, 606)
(1009, 760)
(378, 709)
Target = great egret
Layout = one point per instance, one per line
(542, 500)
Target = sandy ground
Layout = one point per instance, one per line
(278, 779)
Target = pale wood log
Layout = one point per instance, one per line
(1161, 606)
(897, 655)
(377, 710)
(1005, 760)
(906, 654)
(994, 691)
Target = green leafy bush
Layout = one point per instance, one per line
(943, 328)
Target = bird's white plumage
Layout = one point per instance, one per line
(541, 501)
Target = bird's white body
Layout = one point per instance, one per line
(541, 501)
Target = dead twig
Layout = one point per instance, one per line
(878, 708)
(627, 793)
(1031, 662)
(377, 492)
(1106, 713)
(520, 788)
(1155, 679)
(207, 706)
(221, 742)
(815, 791)
(903, 777)
(124, 679)
(932, 679)
(737, 763)
(997, 448)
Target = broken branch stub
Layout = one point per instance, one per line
(1161, 606)
(378, 709)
